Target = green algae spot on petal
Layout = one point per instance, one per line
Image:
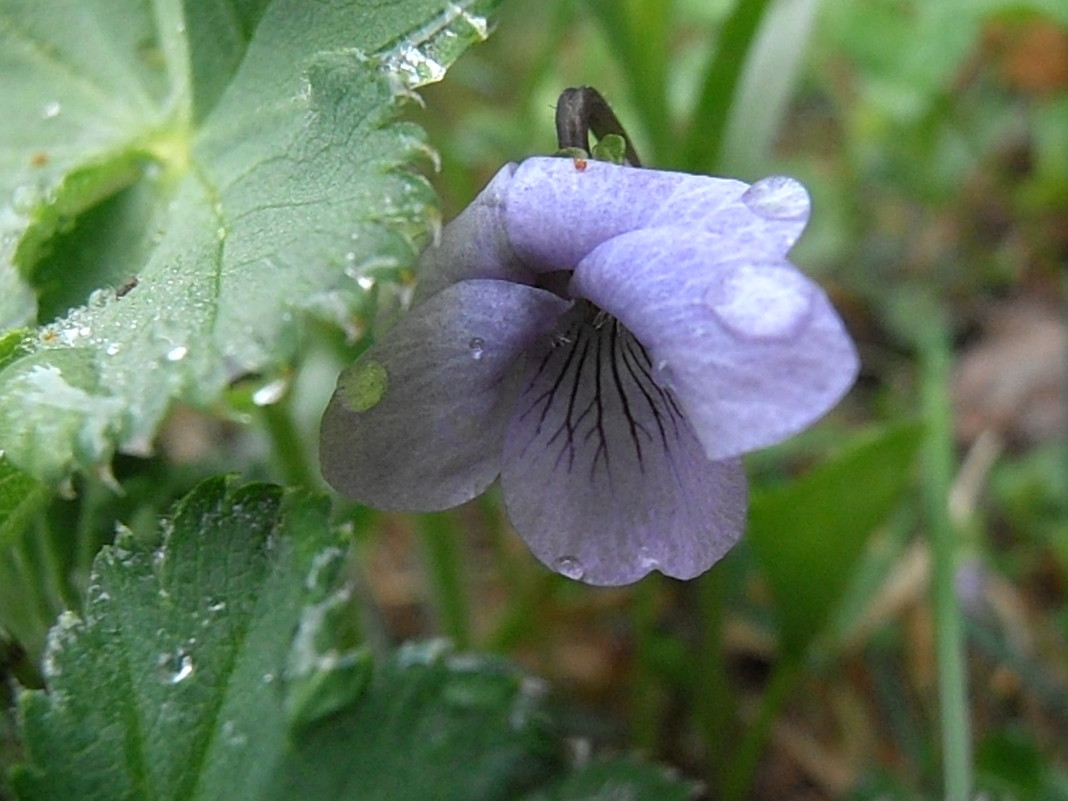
(363, 385)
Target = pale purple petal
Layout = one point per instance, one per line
(602, 476)
(473, 245)
(557, 210)
(752, 348)
(768, 216)
(417, 422)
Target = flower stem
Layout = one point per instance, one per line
(290, 455)
(1063, 484)
(645, 692)
(949, 629)
(446, 575)
(738, 779)
(583, 109)
(715, 705)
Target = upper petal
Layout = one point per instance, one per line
(473, 245)
(602, 476)
(557, 210)
(768, 216)
(417, 422)
(752, 348)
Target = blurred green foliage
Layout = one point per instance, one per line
(934, 140)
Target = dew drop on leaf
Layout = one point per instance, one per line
(271, 392)
(231, 735)
(475, 689)
(176, 668)
(24, 199)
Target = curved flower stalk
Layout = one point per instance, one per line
(608, 340)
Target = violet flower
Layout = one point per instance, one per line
(608, 340)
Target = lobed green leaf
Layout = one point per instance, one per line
(180, 182)
(214, 667)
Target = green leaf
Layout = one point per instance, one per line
(809, 535)
(763, 92)
(181, 182)
(1010, 764)
(715, 102)
(621, 778)
(613, 149)
(179, 680)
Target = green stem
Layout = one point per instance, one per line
(83, 531)
(445, 569)
(521, 623)
(949, 629)
(1064, 388)
(716, 712)
(53, 557)
(371, 625)
(290, 455)
(742, 768)
(645, 689)
(40, 578)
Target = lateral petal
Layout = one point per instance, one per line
(417, 422)
(473, 245)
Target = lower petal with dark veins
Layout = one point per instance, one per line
(602, 475)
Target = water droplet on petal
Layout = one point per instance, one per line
(571, 567)
(663, 375)
(777, 198)
(647, 560)
(362, 386)
(761, 302)
(477, 346)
